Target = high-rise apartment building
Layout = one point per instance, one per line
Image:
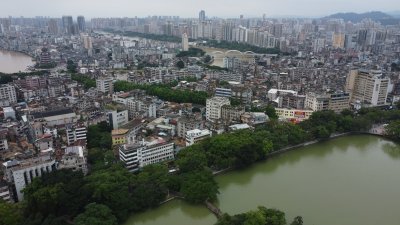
(53, 26)
(368, 87)
(68, 25)
(202, 15)
(213, 107)
(81, 24)
(185, 42)
(105, 85)
(7, 92)
(87, 42)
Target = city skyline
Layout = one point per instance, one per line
(141, 8)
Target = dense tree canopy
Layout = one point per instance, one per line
(165, 92)
(96, 214)
(85, 80)
(262, 216)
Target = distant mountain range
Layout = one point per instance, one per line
(384, 18)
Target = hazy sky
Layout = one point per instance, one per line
(190, 8)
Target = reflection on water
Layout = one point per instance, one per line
(175, 212)
(392, 150)
(13, 62)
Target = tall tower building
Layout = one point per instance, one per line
(369, 87)
(87, 42)
(68, 24)
(81, 24)
(185, 42)
(202, 15)
(53, 26)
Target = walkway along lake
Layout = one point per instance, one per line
(350, 180)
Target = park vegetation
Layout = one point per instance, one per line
(86, 81)
(9, 77)
(261, 216)
(165, 92)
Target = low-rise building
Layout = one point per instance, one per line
(196, 135)
(74, 158)
(76, 133)
(137, 155)
(21, 173)
(294, 115)
(213, 107)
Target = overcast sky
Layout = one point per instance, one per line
(190, 8)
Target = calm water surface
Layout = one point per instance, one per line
(13, 62)
(351, 180)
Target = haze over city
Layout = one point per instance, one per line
(189, 8)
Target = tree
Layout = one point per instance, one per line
(191, 159)
(111, 187)
(270, 111)
(150, 186)
(10, 214)
(71, 66)
(207, 59)
(199, 186)
(298, 220)
(180, 64)
(392, 130)
(96, 214)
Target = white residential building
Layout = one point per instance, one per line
(7, 92)
(196, 135)
(105, 85)
(185, 42)
(117, 119)
(75, 134)
(21, 173)
(213, 107)
(137, 155)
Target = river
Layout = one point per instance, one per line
(351, 180)
(13, 62)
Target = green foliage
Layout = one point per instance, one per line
(71, 66)
(191, 159)
(242, 47)
(199, 186)
(392, 130)
(50, 65)
(270, 111)
(262, 216)
(180, 64)
(298, 220)
(207, 59)
(150, 187)
(111, 187)
(85, 80)
(58, 193)
(235, 101)
(96, 214)
(165, 92)
(99, 136)
(10, 214)
(7, 78)
(192, 52)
